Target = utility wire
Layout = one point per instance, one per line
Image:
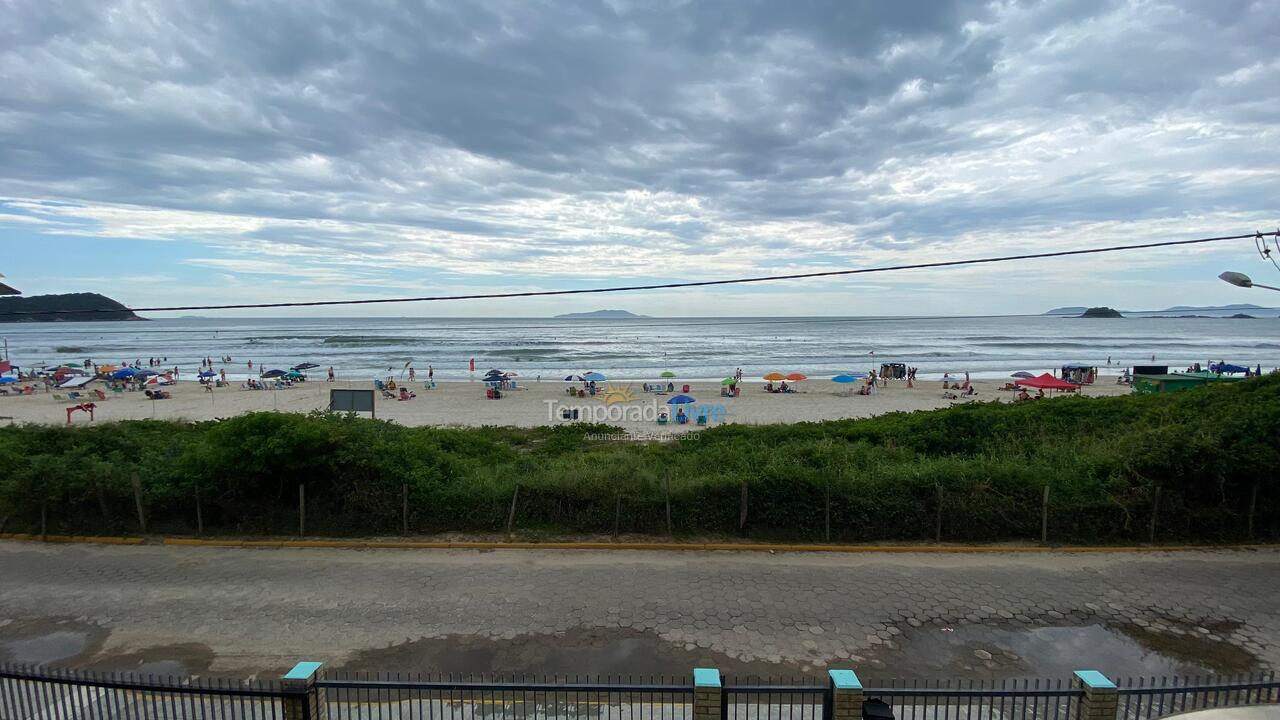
(668, 286)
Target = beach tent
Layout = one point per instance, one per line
(893, 370)
(295, 375)
(1047, 382)
(1079, 373)
(1227, 368)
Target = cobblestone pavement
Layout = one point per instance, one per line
(237, 610)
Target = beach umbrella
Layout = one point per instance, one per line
(844, 379)
(729, 381)
(273, 374)
(667, 374)
(594, 377)
(774, 376)
(294, 374)
(574, 378)
(1022, 374)
(209, 374)
(797, 377)
(304, 366)
(123, 373)
(682, 400)
(159, 380)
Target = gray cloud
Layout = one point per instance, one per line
(685, 129)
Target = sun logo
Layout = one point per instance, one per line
(616, 394)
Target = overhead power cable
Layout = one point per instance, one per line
(675, 285)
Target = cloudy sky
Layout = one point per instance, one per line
(225, 151)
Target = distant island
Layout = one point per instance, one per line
(1178, 311)
(600, 315)
(70, 307)
(1101, 312)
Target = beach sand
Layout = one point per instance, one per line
(464, 404)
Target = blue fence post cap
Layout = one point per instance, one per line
(1095, 680)
(844, 680)
(706, 677)
(303, 671)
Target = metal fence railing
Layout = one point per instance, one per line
(362, 696)
(311, 694)
(1039, 699)
(754, 699)
(49, 694)
(1145, 698)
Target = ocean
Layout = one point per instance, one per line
(637, 349)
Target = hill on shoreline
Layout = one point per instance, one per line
(67, 307)
(599, 315)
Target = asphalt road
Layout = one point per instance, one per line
(241, 612)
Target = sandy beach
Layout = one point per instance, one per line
(464, 403)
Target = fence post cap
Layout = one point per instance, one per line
(844, 680)
(706, 677)
(1094, 680)
(304, 671)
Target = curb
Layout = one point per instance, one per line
(633, 546)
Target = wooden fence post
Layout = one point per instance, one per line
(1044, 517)
(937, 523)
(617, 515)
(827, 511)
(666, 493)
(1155, 511)
(302, 509)
(511, 515)
(199, 512)
(1253, 506)
(137, 503)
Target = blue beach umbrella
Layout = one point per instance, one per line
(273, 374)
(844, 379)
(594, 377)
(123, 373)
(208, 374)
(682, 400)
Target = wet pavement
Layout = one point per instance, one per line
(177, 611)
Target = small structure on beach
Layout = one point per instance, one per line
(893, 370)
(1079, 373)
(1047, 382)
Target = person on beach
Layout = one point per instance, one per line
(431, 375)
(412, 375)
(330, 379)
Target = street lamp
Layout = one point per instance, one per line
(1242, 280)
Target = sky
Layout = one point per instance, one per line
(174, 152)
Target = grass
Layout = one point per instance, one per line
(1198, 459)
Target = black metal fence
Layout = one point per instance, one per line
(48, 694)
(1039, 699)
(1150, 697)
(362, 696)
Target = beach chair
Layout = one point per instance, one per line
(701, 419)
(117, 390)
(75, 396)
(58, 397)
(662, 419)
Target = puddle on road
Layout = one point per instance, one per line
(50, 642)
(597, 651)
(993, 652)
(78, 644)
(926, 652)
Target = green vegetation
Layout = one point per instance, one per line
(1203, 452)
(70, 307)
